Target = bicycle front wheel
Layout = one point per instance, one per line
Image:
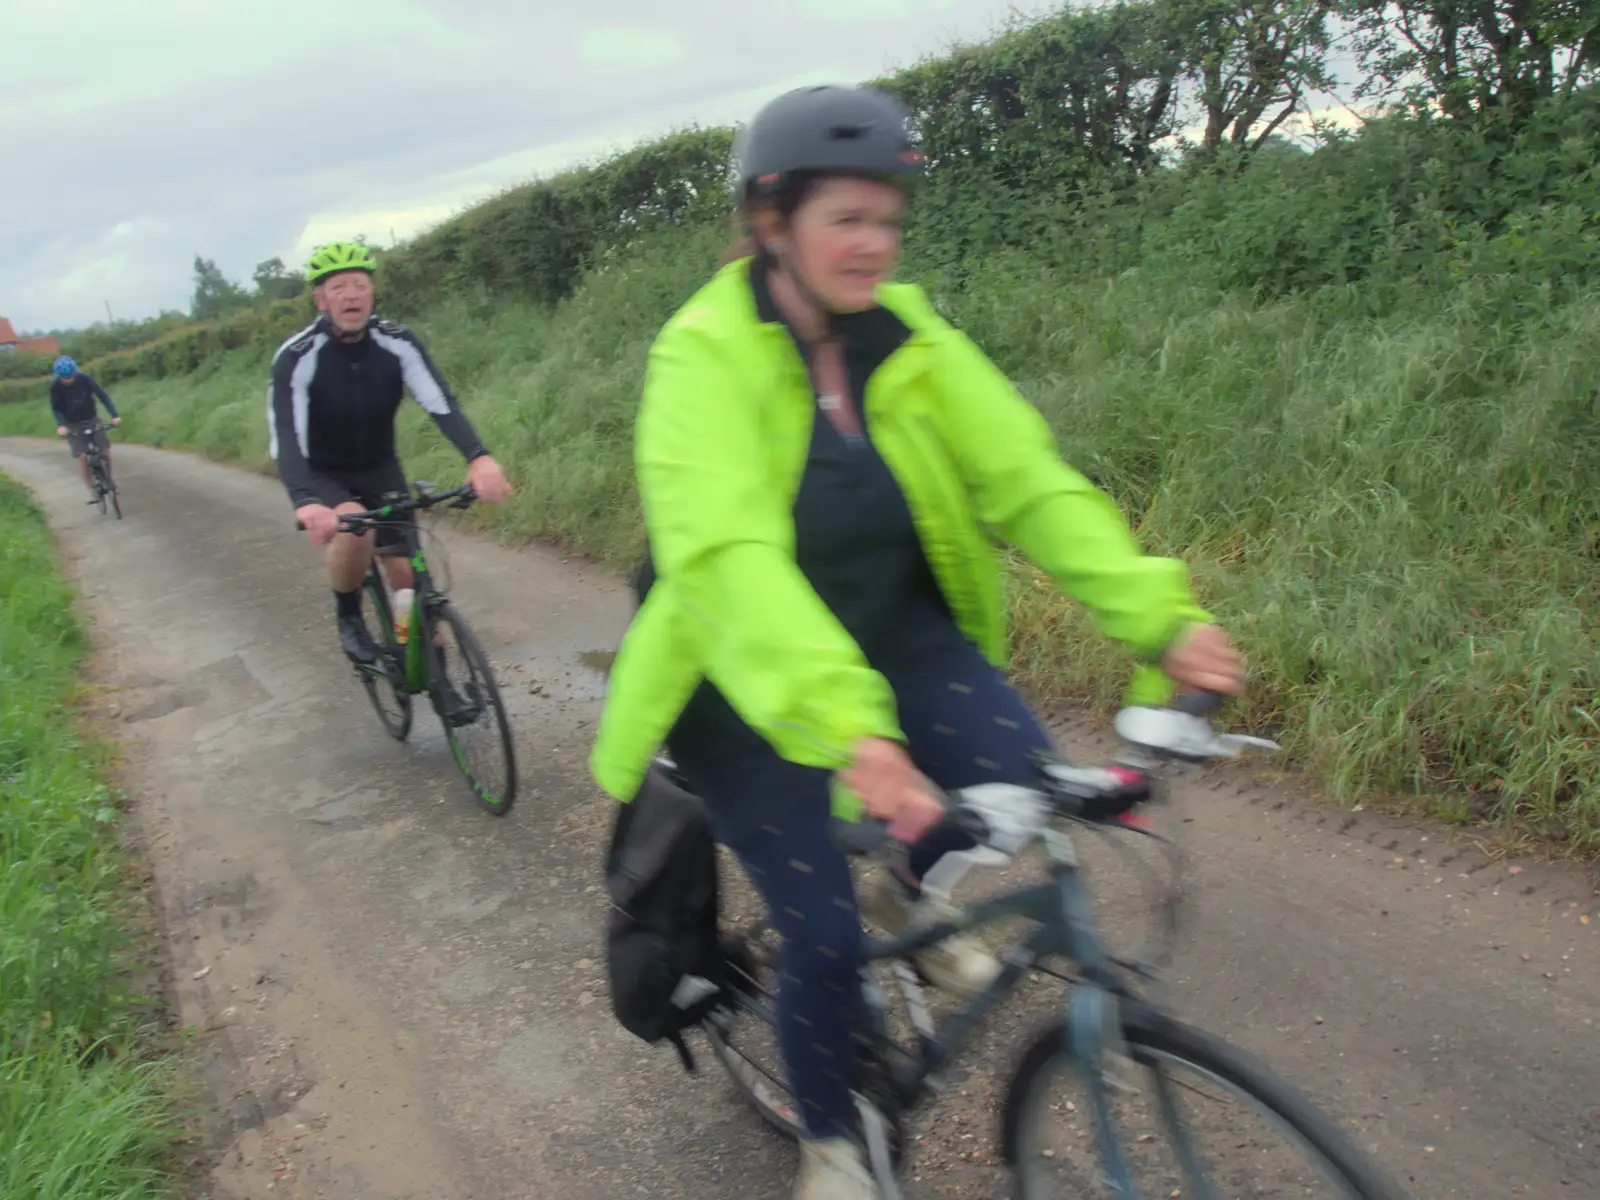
(102, 485)
(1194, 1117)
(467, 699)
(116, 496)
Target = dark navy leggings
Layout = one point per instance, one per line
(964, 725)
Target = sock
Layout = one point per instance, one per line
(347, 604)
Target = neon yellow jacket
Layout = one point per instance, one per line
(722, 437)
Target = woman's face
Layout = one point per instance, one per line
(845, 238)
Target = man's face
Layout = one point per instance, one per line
(346, 298)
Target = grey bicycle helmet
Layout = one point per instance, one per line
(822, 130)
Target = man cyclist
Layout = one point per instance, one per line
(336, 390)
(72, 396)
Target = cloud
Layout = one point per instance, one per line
(240, 132)
(631, 49)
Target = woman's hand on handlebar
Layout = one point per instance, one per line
(320, 522)
(892, 789)
(1202, 658)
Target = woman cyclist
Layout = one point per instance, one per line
(821, 460)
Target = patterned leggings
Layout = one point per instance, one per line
(965, 725)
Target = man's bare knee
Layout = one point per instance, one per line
(397, 571)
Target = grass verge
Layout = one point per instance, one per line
(83, 1107)
(1386, 495)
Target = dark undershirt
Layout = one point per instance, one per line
(855, 541)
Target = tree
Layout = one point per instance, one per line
(1476, 60)
(214, 293)
(274, 281)
(1251, 62)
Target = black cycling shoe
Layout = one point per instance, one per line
(355, 641)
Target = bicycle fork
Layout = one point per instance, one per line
(1093, 1024)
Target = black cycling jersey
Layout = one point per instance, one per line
(332, 403)
(72, 400)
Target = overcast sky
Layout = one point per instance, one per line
(137, 134)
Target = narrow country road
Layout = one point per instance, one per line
(403, 997)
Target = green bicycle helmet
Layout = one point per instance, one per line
(339, 256)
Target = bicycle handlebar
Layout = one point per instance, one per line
(361, 522)
(1096, 795)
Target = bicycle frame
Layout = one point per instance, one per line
(92, 454)
(1066, 928)
(417, 665)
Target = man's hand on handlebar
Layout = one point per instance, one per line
(61, 431)
(116, 420)
(320, 522)
(488, 480)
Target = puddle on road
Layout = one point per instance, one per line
(566, 676)
(598, 660)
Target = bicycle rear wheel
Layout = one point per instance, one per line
(467, 699)
(385, 679)
(1200, 1118)
(744, 1038)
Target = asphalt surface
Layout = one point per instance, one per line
(400, 996)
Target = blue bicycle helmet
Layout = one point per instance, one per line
(65, 367)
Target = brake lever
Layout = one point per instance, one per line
(1177, 734)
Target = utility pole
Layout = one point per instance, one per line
(109, 317)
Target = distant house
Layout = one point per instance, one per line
(10, 343)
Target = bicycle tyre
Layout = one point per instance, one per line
(1153, 1036)
(769, 1096)
(116, 497)
(384, 682)
(758, 1086)
(497, 801)
(98, 470)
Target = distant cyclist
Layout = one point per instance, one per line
(72, 396)
(336, 390)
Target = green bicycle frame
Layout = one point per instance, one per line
(415, 667)
(418, 633)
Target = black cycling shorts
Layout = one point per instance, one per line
(371, 487)
(80, 437)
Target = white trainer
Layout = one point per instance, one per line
(960, 965)
(834, 1169)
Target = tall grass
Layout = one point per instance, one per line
(82, 1114)
(1370, 427)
